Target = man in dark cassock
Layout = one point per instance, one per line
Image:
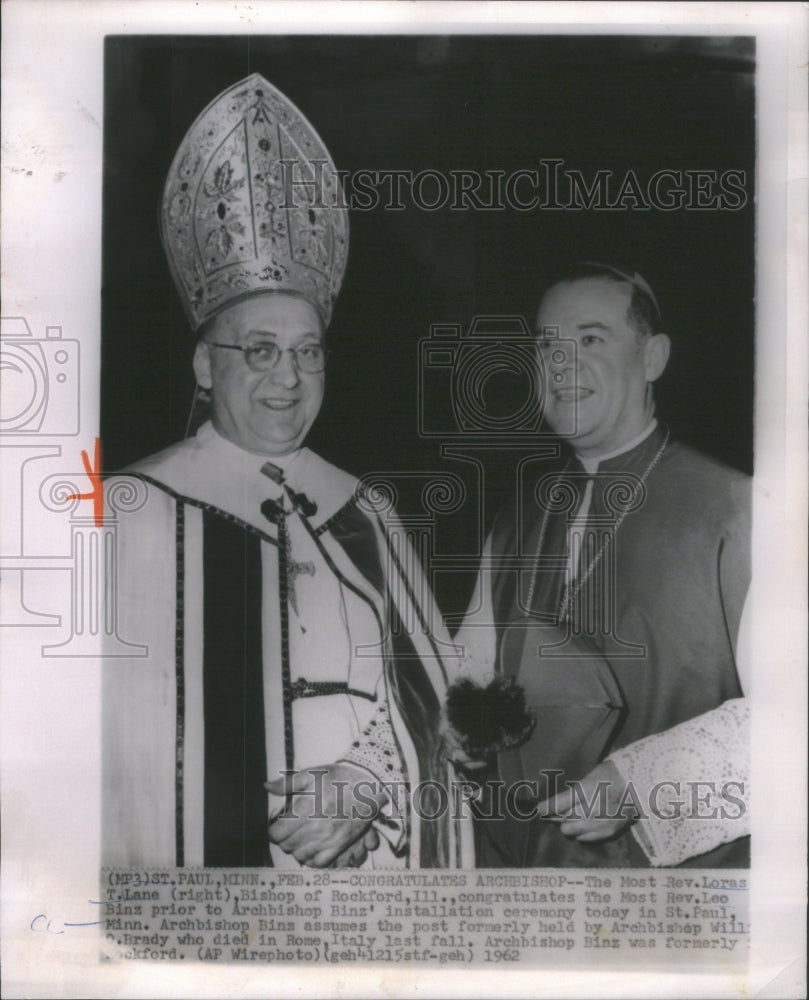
(281, 702)
(621, 621)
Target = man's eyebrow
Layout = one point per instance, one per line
(593, 325)
(258, 331)
(274, 335)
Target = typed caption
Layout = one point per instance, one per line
(531, 917)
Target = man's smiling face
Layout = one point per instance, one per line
(596, 397)
(269, 413)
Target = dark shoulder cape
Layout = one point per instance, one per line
(667, 596)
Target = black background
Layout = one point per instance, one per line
(445, 103)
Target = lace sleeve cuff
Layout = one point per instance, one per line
(692, 783)
(376, 751)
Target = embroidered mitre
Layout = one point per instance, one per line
(253, 203)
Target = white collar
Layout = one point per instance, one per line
(591, 464)
(248, 460)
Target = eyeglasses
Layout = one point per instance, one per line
(263, 357)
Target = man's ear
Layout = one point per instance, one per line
(656, 356)
(202, 365)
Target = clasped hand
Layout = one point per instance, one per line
(601, 794)
(320, 820)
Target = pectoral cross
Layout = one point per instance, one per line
(295, 569)
(275, 512)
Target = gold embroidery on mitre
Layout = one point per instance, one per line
(253, 203)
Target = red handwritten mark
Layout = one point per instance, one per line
(94, 475)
